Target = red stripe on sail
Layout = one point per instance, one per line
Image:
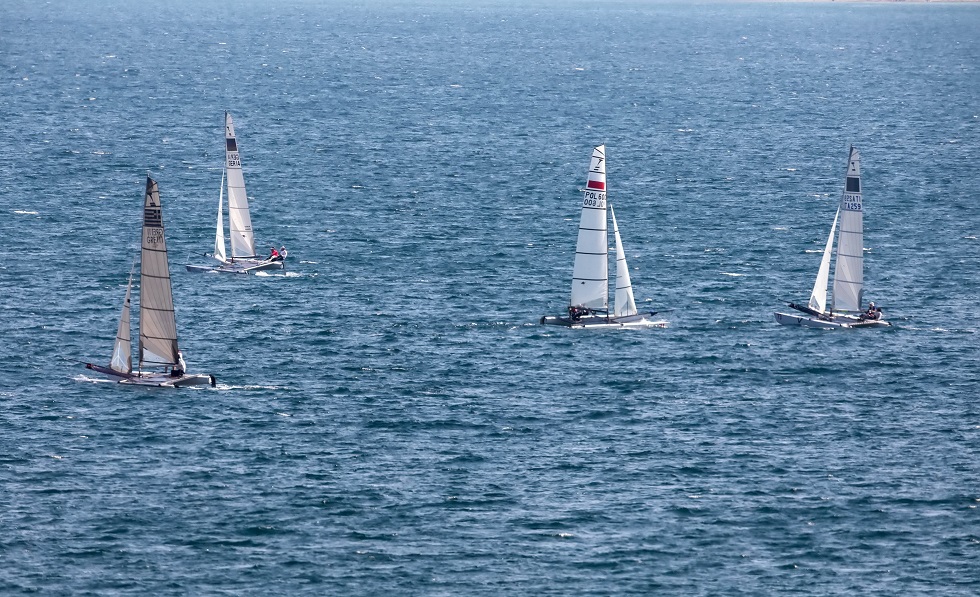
(596, 184)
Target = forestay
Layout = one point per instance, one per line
(239, 221)
(590, 276)
(849, 272)
(158, 325)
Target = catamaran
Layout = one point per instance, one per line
(160, 361)
(244, 259)
(846, 299)
(589, 303)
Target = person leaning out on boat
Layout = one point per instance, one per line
(273, 254)
(282, 252)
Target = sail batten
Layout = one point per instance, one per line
(239, 220)
(590, 275)
(158, 324)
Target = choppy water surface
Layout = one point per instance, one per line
(389, 415)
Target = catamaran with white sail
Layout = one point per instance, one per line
(160, 361)
(846, 299)
(244, 259)
(589, 303)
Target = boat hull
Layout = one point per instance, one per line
(601, 321)
(832, 323)
(162, 380)
(158, 380)
(242, 266)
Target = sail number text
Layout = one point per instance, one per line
(154, 236)
(593, 199)
(852, 202)
(234, 161)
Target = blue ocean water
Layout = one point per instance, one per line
(389, 415)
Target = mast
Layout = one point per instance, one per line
(122, 350)
(590, 275)
(624, 305)
(849, 270)
(158, 324)
(219, 234)
(239, 220)
(818, 298)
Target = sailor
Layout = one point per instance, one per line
(870, 313)
(178, 370)
(282, 252)
(878, 313)
(273, 254)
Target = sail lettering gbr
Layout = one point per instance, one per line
(593, 199)
(852, 202)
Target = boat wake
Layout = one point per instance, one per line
(87, 379)
(225, 387)
(279, 274)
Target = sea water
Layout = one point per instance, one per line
(389, 416)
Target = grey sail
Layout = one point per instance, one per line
(158, 325)
(122, 349)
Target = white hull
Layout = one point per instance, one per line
(833, 323)
(162, 380)
(242, 266)
(601, 321)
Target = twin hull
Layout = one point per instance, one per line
(602, 321)
(810, 321)
(244, 266)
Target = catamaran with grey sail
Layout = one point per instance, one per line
(243, 259)
(160, 360)
(845, 309)
(589, 303)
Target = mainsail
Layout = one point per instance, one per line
(849, 272)
(219, 235)
(122, 350)
(818, 298)
(158, 326)
(590, 276)
(239, 221)
(625, 305)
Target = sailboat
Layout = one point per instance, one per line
(589, 303)
(847, 293)
(160, 361)
(244, 259)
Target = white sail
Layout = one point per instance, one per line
(849, 268)
(158, 326)
(122, 350)
(219, 235)
(818, 298)
(590, 276)
(624, 305)
(239, 220)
